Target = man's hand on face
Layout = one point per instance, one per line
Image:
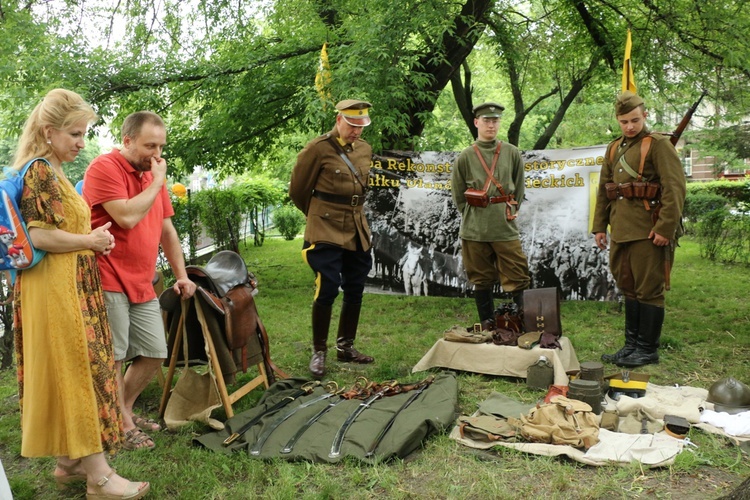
(159, 169)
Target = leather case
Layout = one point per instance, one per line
(541, 313)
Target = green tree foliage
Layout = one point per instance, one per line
(224, 212)
(235, 81)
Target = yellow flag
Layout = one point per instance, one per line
(323, 77)
(628, 82)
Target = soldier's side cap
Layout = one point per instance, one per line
(355, 112)
(627, 102)
(488, 109)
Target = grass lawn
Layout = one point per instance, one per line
(706, 337)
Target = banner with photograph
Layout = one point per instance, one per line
(416, 248)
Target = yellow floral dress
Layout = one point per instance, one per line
(66, 374)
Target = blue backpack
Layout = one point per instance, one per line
(16, 250)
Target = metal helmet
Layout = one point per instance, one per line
(729, 395)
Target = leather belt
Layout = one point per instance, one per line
(499, 199)
(355, 200)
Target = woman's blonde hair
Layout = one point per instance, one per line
(59, 109)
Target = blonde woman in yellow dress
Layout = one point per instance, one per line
(66, 377)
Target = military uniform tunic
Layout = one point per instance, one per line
(320, 168)
(490, 244)
(337, 235)
(637, 264)
(488, 223)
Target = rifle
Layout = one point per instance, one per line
(675, 136)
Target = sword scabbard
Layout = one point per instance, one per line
(231, 439)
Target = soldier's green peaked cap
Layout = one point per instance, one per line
(627, 102)
(488, 109)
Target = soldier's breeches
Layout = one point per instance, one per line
(490, 262)
(638, 269)
(336, 268)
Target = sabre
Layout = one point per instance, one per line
(289, 446)
(332, 388)
(359, 385)
(339, 438)
(307, 388)
(424, 385)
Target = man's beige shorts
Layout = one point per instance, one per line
(137, 329)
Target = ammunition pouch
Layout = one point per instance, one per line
(477, 197)
(638, 190)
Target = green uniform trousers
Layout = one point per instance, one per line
(489, 262)
(638, 268)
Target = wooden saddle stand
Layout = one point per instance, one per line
(220, 326)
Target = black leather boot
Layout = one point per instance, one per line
(485, 308)
(348, 323)
(321, 321)
(649, 332)
(632, 320)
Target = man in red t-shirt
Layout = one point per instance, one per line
(127, 187)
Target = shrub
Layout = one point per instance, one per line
(697, 205)
(700, 203)
(289, 221)
(725, 236)
(733, 191)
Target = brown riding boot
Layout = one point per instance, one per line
(347, 332)
(321, 321)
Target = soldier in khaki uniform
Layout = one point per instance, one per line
(642, 228)
(329, 185)
(490, 243)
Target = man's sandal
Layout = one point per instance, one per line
(136, 439)
(146, 424)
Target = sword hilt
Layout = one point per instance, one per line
(231, 439)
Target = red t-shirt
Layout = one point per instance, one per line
(131, 265)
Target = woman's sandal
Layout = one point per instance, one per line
(135, 439)
(146, 424)
(70, 477)
(132, 491)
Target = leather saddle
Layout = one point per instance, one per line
(225, 289)
(228, 287)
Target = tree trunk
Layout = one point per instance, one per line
(441, 64)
